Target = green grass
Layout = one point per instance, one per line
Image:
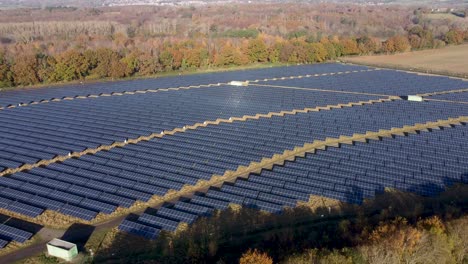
(41, 259)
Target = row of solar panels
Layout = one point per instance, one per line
(378, 82)
(383, 81)
(41, 135)
(21, 145)
(14, 97)
(99, 183)
(349, 174)
(41, 132)
(8, 234)
(461, 97)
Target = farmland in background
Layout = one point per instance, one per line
(450, 60)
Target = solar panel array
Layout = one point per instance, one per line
(424, 164)
(8, 234)
(100, 183)
(15, 97)
(462, 97)
(388, 82)
(29, 134)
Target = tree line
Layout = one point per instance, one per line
(38, 65)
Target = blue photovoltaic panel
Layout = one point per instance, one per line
(209, 202)
(78, 212)
(14, 234)
(25, 209)
(3, 243)
(176, 215)
(417, 163)
(14, 97)
(139, 229)
(160, 222)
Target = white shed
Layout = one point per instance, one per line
(62, 249)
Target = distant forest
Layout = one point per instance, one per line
(49, 45)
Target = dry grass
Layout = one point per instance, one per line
(451, 60)
(316, 202)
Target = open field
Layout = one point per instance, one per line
(445, 16)
(164, 153)
(452, 60)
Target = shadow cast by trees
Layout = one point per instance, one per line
(227, 234)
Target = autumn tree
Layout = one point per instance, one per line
(167, 60)
(70, 65)
(391, 242)
(401, 44)
(329, 47)
(454, 36)
(229, 55)
(91, 57)
(5, 74)
(118, 69)
(109, 64)
(318, 53)
(25, 70)
(396, 44)
(255, 257)
(46, 68)
(368, 45)
(257, 50)
(420, 38)
(148, 64)
(432, 224)
(295, 52)
(196, 57)
(132, 60)
(274, 52)
(350, 46)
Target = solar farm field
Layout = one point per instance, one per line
(91, 153)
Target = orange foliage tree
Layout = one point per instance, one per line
(255, 257)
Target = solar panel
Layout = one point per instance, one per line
(78, 212)
(24, 209)
(117, 200)
(193, 208)
(213, 203)
(97, 206)
(176, 215)
(237, 199)
(3, 243)
(43, 202)
(139, 229)
(160, 222)
(14, 234)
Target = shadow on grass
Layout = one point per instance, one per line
(78, 234)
